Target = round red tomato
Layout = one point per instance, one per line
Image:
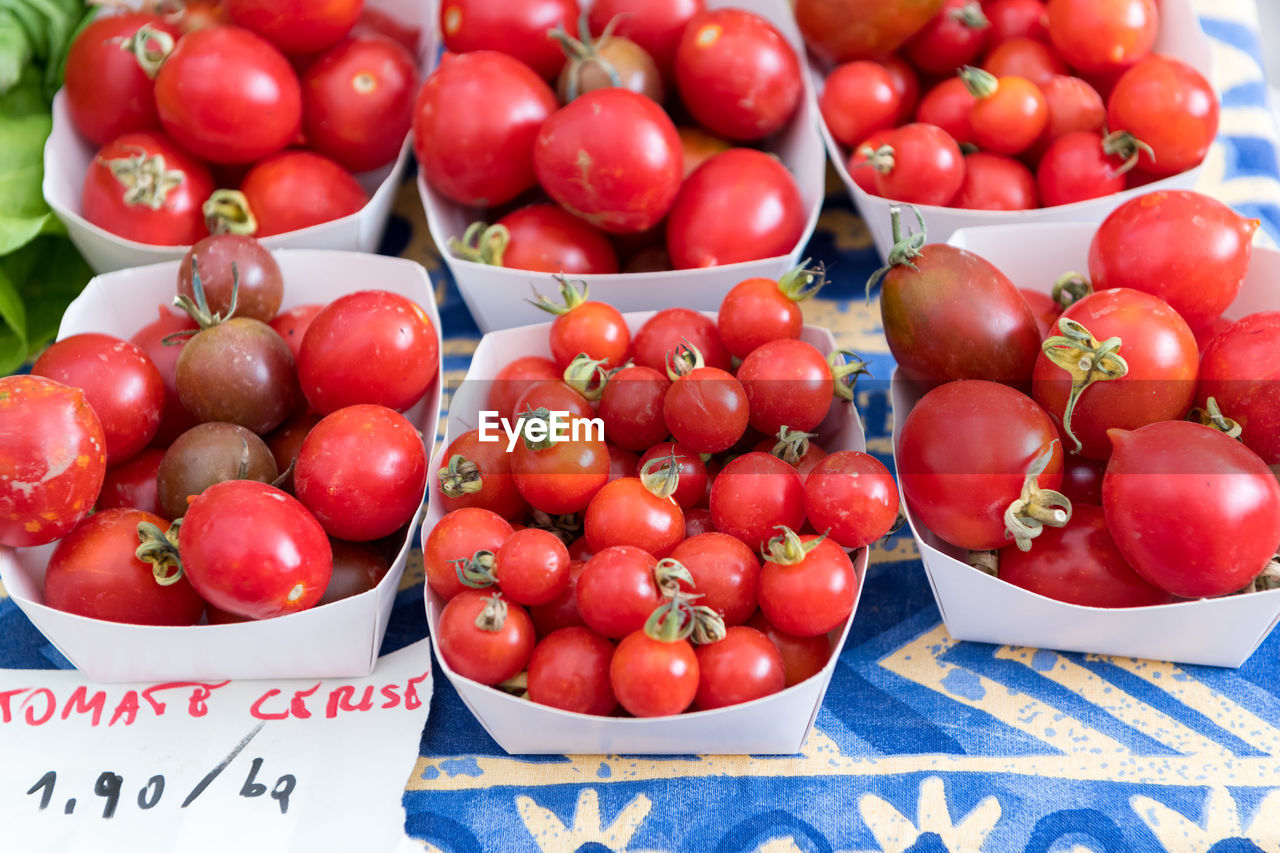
(952, 38)
(852, 497)
(517, 377)
(840, 30)
(808, 585)
(582, 325)
(254, 550)
(297, 26)
(562, 476)
(294, 190)
(1217, 520)
(666, 330)
(754, 494)
(517, 29)
(459, 536)
(627, 511)
(802, 657)
(693, 476)
(788, 383)
(478, 473)
(95, 572)
(858, 99)
(612, 157)
(1013, 18)
(726, 573)
(1078, 166)
(617, 590)
(706, 410)
(483, 637)
(532, 566)
(631, 407)
(1073, 105)
(144, 188)
(132, 483)
(1010, 112)
(946, 106)
(740, 205)
(1240, 370)
(919, 163)
(227, 96)
(742, 667)
(1099, 36)
(759, 310)
(569, 670)
(291, 324)
(1023, 57)
(996, 182)
(554, 396)
(545, 238)
(1171, 107)
(653, 678)
(480, 157)
(53, 458)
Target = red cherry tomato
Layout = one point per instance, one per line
(858, 99)
(489, 486)
(569, 670)
(626, 512)
(921, 164)
(694, 478)
(742, 667)
(121, 194)
(1098, 36)
(1171, 107)
(851, 496)
(293, 190)
(906, 83)
(664, 331)
(132, 483)
(996, 182)
(947, 107)
(532, 567)
(726, 573)
(1073, 105)
(706, 410)
(1013, 18)
(1239, 369)
(1076, 167)
(655, 25)
(631, 407)
(516, 378)
(586, 326)
(458, 536)
(1024, 57)
(1009, 115)
(652, 678)
(952, 38)
(754, 494)
(291, 324)
(617, 591)
(545, 238)
(563, 476)
(808, 589)
(562, 612)
(483, 637)
(787, 383)
(759, 310)
(519, 29)
(297, 26)
(802, 657)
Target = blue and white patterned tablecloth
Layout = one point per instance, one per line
(923, 743)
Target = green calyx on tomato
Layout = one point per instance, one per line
(1211, 416)
(792, 445)
(587, 375)
(460, 477)
(494, 614)
(160, 549)
(661, 475)
(1122, 143)
(668, 574)
(1035, 507)
(198, 307)
(846, 367)
(684, 359)
(980, 83)
(538, 414)
(971, 16)
(574, 293)
(482, 243)
(567, 527)
(1070, 288)
(477, 571)
(678, 618)
(905, 249)
(1080, 354)
(584, 52)
(150, 46)
(228, 212)
(145, 178)
(787, 548)
(803, 281)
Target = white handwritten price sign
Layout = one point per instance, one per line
(210, 765)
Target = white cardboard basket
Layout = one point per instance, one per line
(496, 295)
(776, 724)
(975, 606)
(67, 157)
(335, 640)
(1180, 36)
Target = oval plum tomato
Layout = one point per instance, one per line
(1012, 18)
(107, 91)
(1027, 58)
(737, 75)
(52, 458)
(458, 536)
(743, 666)
(635, 511)
(788, 383)
(291, 324)
(480, 158)
(1073, 105)
(227, 96)
(918, 163)
(561, 476)
(851, 497)
(1194, 512)
(618, 590)
(1010, 112)
(233, 265)
(1079, 564)
(1171, 107)
(1185, 247)
(357, 102)
(144, 188)
(254, 550)
(361, 472)
(582, 325)
(694, 479)
(631, 407)
(239, 371)
(209, 453)
(967, 452)
(802, 657)
(1078, 166)
(545, 238)
(176, 419)
(1240, 370)
(562, 612)
(996, 182)
(612, 157)
(706, 410)
(519, 30)
(653, 678)
(297, 26)
(655, 25)
(725, 573)
(297, 189)
(554, 396)
(517, 377)
(759, 310)
(484, 638)
(1100, 36)
(132, 483)
(947, 106)
(667, 329)
(753, 495)
(371, 346)
(124, 388)
(532, 566)
(478, 473)
(841, 30)
(952, 38)
(741, 205)
(858, 99)
(1154, 381)
(953, 315)
(95, 572)
(569, 670)
(808, 584)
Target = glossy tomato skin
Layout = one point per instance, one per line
(122, 385)
(297, 26)
(107, 201)
(742, 667)
(706, 410)
(841, 30)
(545, 238)
(1082, 479)
(996, 182)
(234, 264)
(1075, 167)
(93, 572)
(957, 317)
(726, 573)
(802, 657)
(532, 567)
(1216, 521)
(357, 102)
(563, 477)
(852, 497)
(244, 523)
(1024, 57)
(927, 166)
(1073, 105)
(949, 40)
(616, 591)
(176, 419)
(132, 483)
(1011, 118)
(357, 568)
(946, 106)
(754, 494)
(554, 396)
(1163, 361)
(596, 328)
(737, 75)
(227, 96)
(498, 492)
(107, 92)
(1240, 369)
(694, 478)
(53, 458)
(1171, 107)
(652, 678)
(964, 453)
(624, 512)
(239, 371)
(480, 158)
(664, 331)
(1012, 18)
(297, 189)
(489, 657)
(740, 205)
(516, 29)
(655, 25)
(612, 157)
(569, 670)
(813, 596)
(1187, 248)
(209, 453)
(755, 312)
(517, 377)
(1099, 36)
(631, 407)
(1079, 564)
(458, 536)
(371, 346)
(787, 383)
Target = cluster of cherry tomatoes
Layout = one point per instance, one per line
(244, 116)
(1112, 453)
(238, 460)
(596, 175)
(1026, 103)
(653, 532)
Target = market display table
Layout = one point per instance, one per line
(923, 743)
